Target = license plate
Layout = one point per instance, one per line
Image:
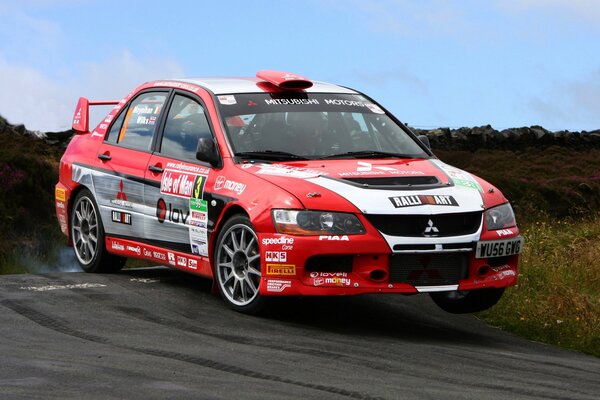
(499, 248)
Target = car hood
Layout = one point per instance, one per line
(382, 186)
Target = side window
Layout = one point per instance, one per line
(113, 134)
(141, 120)
(185, 124)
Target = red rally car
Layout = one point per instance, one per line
(278, 186)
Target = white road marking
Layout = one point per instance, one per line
(62, 287)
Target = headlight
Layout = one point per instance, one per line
(500, 217)
(295, 222)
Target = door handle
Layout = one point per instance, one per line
(104, 156)
(156, 169)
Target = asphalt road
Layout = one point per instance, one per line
(157, 333)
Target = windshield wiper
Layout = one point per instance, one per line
(367, 154)
(269, 155)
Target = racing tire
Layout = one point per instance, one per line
(87, 234)
(237, 266)
(463, 302)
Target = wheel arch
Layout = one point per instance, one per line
(74, 192)
(229, 212)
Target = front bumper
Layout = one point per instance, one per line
(350, 265)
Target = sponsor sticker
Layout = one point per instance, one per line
(192, 264)
(328, 275)
(278, 285)
(181, 261)
(180, 85)
(281, 269)
(286, 102)
(120, 217)
(60, 194)
(283, 240)
(504, 232)
(223, 183)
(199, 187)
(167, 212)
(199, 206)
(117, 246)
(227, 100)
(179, 184)
(421, 200)
(374, 108)
(171, 257)
(458, 177)
(506, 274)
(330, 279)
(143, 109)
(275, 256)
(366, 168)
(343, 238)
(501, 267)
(121, 199)
(134, 249)
(143, 120)
(293, 172)
(194, 169)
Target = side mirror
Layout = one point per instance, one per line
(425, 140)
(207, 151)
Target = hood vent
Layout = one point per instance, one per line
(396, 182)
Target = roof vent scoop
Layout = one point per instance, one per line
(284, 80)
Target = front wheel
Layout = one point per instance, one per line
(237, 266)
(87, 234)
(463, 302)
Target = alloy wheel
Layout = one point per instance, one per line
(85, 230)
(238, 265)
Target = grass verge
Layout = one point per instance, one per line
(557, 300)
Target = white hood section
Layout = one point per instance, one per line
(444, 200)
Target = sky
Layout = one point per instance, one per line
(432, 63)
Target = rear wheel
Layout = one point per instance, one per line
(463, 302)
(87, 234)
(237, 266)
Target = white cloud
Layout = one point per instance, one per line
(581, 10)
(386, 77)
(574, 103)
(412, 18)
(32, 97)
(40, 88)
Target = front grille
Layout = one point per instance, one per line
(422, 225)
(431, 247)
(428, 269)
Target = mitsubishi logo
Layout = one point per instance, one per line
(121, 194)
(431, 230)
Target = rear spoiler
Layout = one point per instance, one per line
(81, 121)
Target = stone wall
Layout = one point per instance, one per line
(508, 139)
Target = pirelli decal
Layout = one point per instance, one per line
(421, 200)
(281, 269)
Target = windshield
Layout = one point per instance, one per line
(312, 126)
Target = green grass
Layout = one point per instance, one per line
(557, 300)
(555, 182)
